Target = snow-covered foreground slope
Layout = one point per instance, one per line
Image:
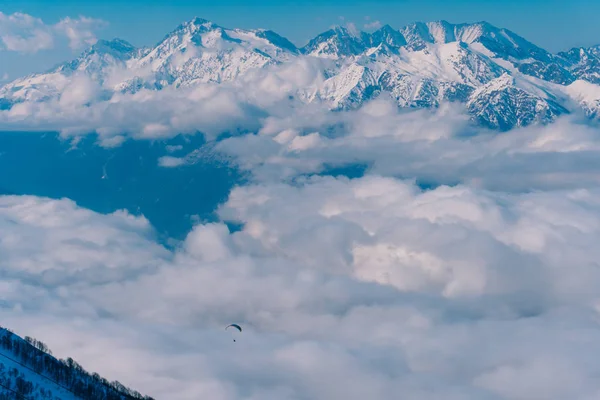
(28, 371)
(502, 79)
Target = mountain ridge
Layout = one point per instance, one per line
(29, 370)
(421, 65)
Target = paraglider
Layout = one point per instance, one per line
(236, 326)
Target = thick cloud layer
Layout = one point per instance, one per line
(280, 137)
(347, 289)
(486, 288)
(78, 105)
(434, 147)
(277, 137)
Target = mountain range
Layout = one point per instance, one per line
(502, 79)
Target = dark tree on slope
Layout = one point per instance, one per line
(35, 356)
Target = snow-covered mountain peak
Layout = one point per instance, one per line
(417, 35)
(347, 30)
(500, 41)
(421, 65)
(103, 55)
(193, 32)
(194, 25)
(203, 33)
(471, 33)
(388, 35)
(115, 47)
(441, 31)
(200, 51)
(336, 42)
(583, 63)
(581, 54)
(277, 40)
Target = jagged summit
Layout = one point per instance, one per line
(442, 31)
(198, 21)
(191, 30)
(584, 63)
(114, 45)
(503, 79)
(502, 42)
(338, 41)
(277, 40)
(101, 56)
(388, 35)
(418, 34)
(194, 25)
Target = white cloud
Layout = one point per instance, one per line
(373, 25)
(80, 91)
(145, 114)
(27, 34)
(371, 282)
(351, 26)
(276, 137)
(168, 161)
(80, 31)
(433, 146)
(208, 108)
(24, 33)
(174, 148)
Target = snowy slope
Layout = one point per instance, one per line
(502, 104)
(583, 63)
(97, 63)
(502, 79)
(27, 369)
(587, 95)
(15, 378)
(201, 51)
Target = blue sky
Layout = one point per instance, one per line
(550, 24)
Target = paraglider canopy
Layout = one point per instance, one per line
(239, 328)
(236, 326)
